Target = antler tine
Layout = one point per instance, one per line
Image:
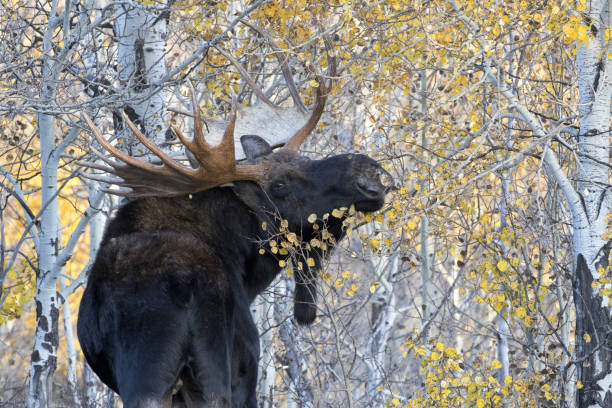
(247, 78)
(198, 129)
(227, 142)
(96, 166)
(298, 138)
(282, 57)
(100, 178)
(114, 151)
(167, 160)
(323, 90)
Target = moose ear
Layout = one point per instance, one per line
(254, 147)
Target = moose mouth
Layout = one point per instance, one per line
(370, 205)
(373, 193)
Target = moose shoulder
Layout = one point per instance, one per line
(164, 320)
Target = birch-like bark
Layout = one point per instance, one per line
(141, 56)
(383, 321)
(295, 365)
(502, 323)
(70, 343)
(426, 246)
(44, 354)
(263, 314)
(591, 251)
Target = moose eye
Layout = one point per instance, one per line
(280, 189)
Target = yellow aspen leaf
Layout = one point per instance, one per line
(480, 403)
(579, 385)
(289, 271)
(508, 379)
(346, 274)
(338, 212)
(339, 283)
(412, 224)
(310, 262)
(495, 364)
(312, 218)
(502, 265)
(520, 312)
(498, 306)
(570, 31)
(374, 286)
(587, 337)
(374, 244)
(582, 33)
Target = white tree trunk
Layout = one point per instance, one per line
(383, 320)
(591, 251)
(44, 355)
(69, 339)
(264, 319)
(502, 323)
(427, 307)
(141, 56)
(296, 367)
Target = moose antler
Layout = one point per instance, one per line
(217, 164)
(323, 90)
(278, 124)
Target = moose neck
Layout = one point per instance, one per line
(230, 225)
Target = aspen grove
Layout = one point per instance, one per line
(484, 281)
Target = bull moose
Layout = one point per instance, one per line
(165, 320)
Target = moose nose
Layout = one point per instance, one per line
(386, 179)
(375, 185)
